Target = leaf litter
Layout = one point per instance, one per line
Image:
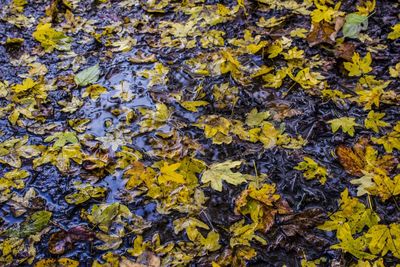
(197, 133)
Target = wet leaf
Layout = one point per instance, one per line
(391, 140)
(395, 34)
(218, 172)
(194, 105)
(62, 138)
(60, 262)
(373, 121)
(312, 170)
(354, 24)
(51, 39)
(347, 125)
(352, 214)
(87, 76)
(32, 225)
(384, 238)
(255, 118)
(359, 66)
(84, 193)
(324, 32)
(104, 215)
(262, 203)
(363, 158)
(355, 246)
(62, 241)
(12, 180)
(168, 174)
(94, 91)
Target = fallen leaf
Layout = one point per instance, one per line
(354, 24)
(87, 76)
(218, 172)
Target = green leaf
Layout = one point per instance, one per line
(87, 76)
(354, 24)
(105, 214)
(255, 118)
(32, 225)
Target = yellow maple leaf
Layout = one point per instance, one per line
(51, 39)
(94, 91)
(168, 174)
(384, 238)
(351, 212)
(359, 66)
(346, 123)
(219, 172)
(391, 140)
(157, 76)
(395, 34)
(26, 85)
(312, 169)
(395, 71)
(373, 121)
(194, 105)
(385, 187)
(348, 243)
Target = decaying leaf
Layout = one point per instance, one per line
(60, 262)
(262, 204)
(363, 157)
(324, 32)
(64, 240)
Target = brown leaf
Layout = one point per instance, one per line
(149, 259)
(344, 50)
(295, 223)
(80, 233)
(300, 224)
(62, 241)
(140, 58)
(59, 242)
(352, 163)
(324, 32)
(354, 159)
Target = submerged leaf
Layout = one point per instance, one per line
(32, 225)
(60, 262)
(87, 76)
